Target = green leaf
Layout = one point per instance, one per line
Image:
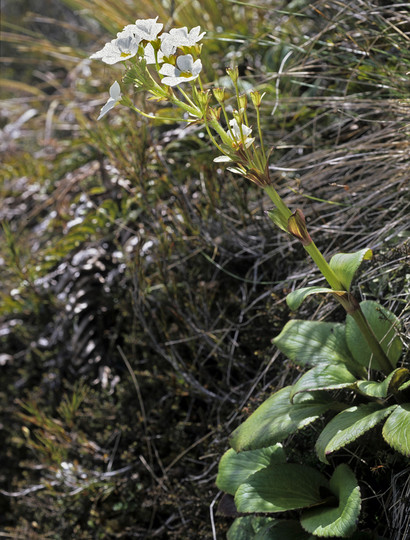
(404, 386)
(381, 389)
(279, 488)
(245, 528)
(295, 298)
(278, 219)
(313, 342)
(328, 377)
(340, 521)
(235, 468)
(348, 426)
(283, 529)
(396, 430)
(345, 265)
(383, 323)
(277, 418)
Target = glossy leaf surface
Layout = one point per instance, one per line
(329, 377)
(345, 265)
(340, 521)
(279, 488)
(295, 298)
(275, 419)
(396, 430)
(246, 527)
(312, 342)
(235, 468)
(348, 426)
(383, 323)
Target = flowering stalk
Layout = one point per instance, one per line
(161, 61)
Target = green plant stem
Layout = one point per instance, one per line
(324, 267)
(372, 341)
(330, 276)
(277, 201)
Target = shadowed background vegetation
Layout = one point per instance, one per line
(141, 284)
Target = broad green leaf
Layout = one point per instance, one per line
(345, 265)
(383, 388)
(278, 488)
(313, 342)
(295, 298)
(277, 418)
(235, 468)
(340, 521)
(396, 430)
(245, 528)
(383, 323)
(348, 426)
(328, 377)
(283, 529)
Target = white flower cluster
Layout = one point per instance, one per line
(146, 40)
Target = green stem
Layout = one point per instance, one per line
(277, 201)
(324, 267)
(350, 306)
(372, 341)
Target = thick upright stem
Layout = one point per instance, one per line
(324, 267)
(372, 341)
(350, 305)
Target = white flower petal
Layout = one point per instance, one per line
(185, 63)
(148, 29)
(115, 91)
(129, 30)
(169, 70)
(196, 67)
(168, 45)
(185, 38)
(149, 55)
(222, 159)
(115, 96)
(107, 107)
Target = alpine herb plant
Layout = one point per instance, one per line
(354, 379)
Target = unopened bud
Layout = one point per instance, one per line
(297, 227)
(233, 74)
(214, 114)
(219, 94)
(243, 101)
(256, 98)
(203, 98)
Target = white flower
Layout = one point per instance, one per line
(179, 37)
(185, 70)
(185, 38)
(144, 29)
(168, 45)
(182, 38)
(118, 50)
(149, 55)
(115, 96)
(240, 135)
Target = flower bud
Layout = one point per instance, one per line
(219, 94)
(203, 97)
(256, 98)
(233, 74)
(214, 114)
(243, 101)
